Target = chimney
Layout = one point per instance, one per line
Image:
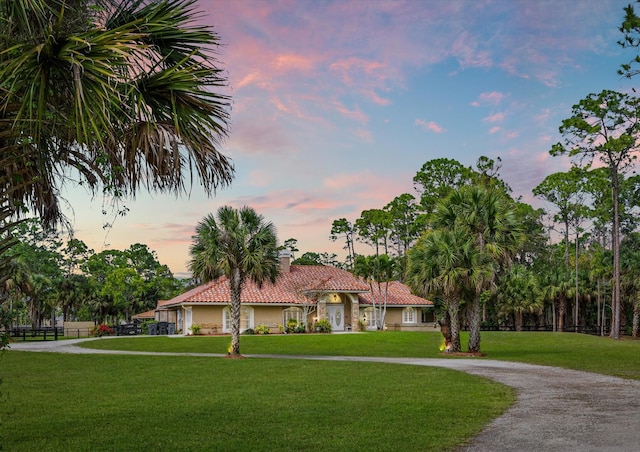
(285, 261)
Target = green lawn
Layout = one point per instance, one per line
(570, 350)
(64, 402)
(61, 402)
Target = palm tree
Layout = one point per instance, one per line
(518, 294)
(118, 95)
(445, 264)
(239, 245)
(555, 286)
(490, 220)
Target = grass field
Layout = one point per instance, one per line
(60, 402)
(569, 350)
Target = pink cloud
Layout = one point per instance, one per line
(543, 116)
(493, 97)
(429, 125)
(465, 50)
(293, 62)
(493, 130)
(355, 114)
(511, 135)
(542, 157)
(351, 67)
(253, 78)
(344, 181)
(497, 117)
(376, 99)
(364, 135)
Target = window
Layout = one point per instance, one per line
(409, 315)
(246, 319)
(292, 313)
(371, 317)
(428, 316)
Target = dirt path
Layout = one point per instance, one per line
(556, 409)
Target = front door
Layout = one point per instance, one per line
(336, 316)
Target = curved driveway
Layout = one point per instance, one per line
(556, 409)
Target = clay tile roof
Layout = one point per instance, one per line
(290, 288)
(145, 315)
(294, 287)
(399, 294)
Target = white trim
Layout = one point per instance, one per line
(371, 317)
(293, 312)
(188, 320)
(409, 316)
(246, 319)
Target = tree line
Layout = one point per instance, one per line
(51, 278)
(122, 96)
(484, 256)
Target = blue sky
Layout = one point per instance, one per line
(337, 104)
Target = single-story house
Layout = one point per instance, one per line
(306, 293)
(147, 315)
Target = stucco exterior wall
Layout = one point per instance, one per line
(208, 317)
(268, 315)
(394, 315)
(393, 321)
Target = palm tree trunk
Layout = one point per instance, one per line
(519, 320)
(636, 316)
(599, 320)
(561, 311)
(473, 317)
(235, 285)
(454, 325)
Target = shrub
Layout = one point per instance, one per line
(262, 329)
(291, 325)
(300, 328)
(195, 329)
(249, 331)
(323, 326)
(144, 326)
(101, 330)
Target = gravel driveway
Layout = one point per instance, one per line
(556, 409)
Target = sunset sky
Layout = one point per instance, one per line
(337, 105)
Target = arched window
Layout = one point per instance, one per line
(246, 319)
(292, 313)
(409, 315)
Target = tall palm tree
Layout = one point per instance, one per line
(555, 286)
(445, 264)
(240, 245)
(489, 218)
(118, 95)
